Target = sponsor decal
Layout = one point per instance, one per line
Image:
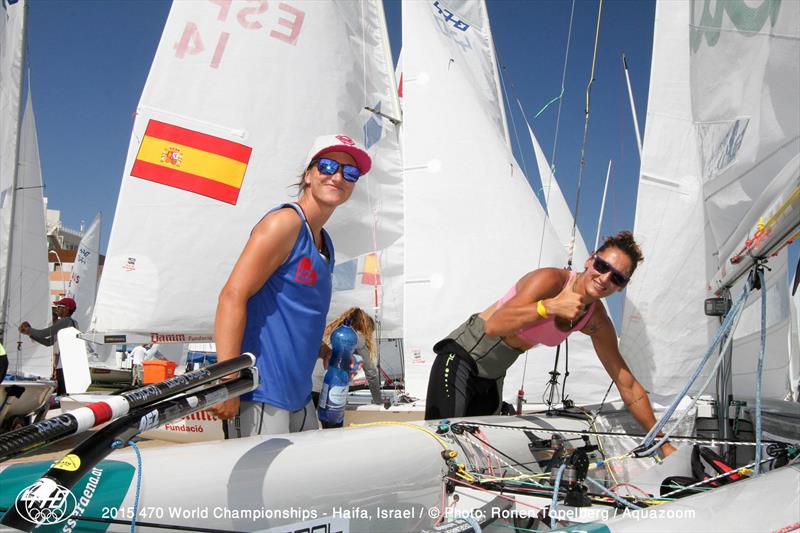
(166, 338)
(149, 421)
(130, 264)
(104, 487)
(183, 428)
(45, 503)
(115, 339)
(70, 463)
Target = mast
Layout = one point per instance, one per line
(13, 188)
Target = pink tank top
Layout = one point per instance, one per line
(545, 331)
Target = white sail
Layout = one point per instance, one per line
(745, 76)
(83, 281)
(12, 36)
(472, 223)
(558, 210)
(778, 371)
(28, 283)
(272, 78)
(721, 147)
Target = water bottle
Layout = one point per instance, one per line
(333, 396)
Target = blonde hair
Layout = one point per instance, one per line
(359, 321)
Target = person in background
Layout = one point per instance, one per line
(364, 326)
(63, 308)
(3, 363)
(140, 354)
(544, 307)
(276, 299)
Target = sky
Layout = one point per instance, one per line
(89, 60)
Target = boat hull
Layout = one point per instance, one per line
(30, 403)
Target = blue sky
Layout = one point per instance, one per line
(89, 61)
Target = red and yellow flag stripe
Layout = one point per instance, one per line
(192, 161)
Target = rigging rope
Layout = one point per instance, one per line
(119, 444)
(760, 367)
(554, 502)
(727, 326)
(710, 441)
(585, 131)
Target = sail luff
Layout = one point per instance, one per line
(12, 38)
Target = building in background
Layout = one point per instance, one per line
(62, 245)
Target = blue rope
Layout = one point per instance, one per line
(614, 495)
(118, 444)
(760, 368)
(723, 329)
(554, 503)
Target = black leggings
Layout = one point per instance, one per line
(454, 390)
(3, 367)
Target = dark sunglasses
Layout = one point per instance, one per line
(617, 278)
(329, 167)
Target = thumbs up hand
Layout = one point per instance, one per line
(568, 304)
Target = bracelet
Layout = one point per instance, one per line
(540, 309)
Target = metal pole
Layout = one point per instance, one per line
(633, 105)
(602, 206)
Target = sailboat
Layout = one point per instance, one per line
(24, 285)
(500, 468)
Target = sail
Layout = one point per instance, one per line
(558, 210)
(28, 283)
(779, 369)
(721, 148)
(745, 76)
(273, 78)
(472, 223)
(83, 281)
(12, 36)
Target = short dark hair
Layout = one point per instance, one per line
(625, 242)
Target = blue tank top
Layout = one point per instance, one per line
(286, 319)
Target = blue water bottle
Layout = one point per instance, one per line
(333, 396)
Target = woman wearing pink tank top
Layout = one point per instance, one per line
(544, 307)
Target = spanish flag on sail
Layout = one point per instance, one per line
(192, 161)
(372, 270)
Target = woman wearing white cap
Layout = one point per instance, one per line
(276, 299)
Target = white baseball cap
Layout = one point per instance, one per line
(340, 143)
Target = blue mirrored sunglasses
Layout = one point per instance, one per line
(329, 167)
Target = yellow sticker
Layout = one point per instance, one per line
(70, 463)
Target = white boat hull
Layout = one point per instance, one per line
(387, 477)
